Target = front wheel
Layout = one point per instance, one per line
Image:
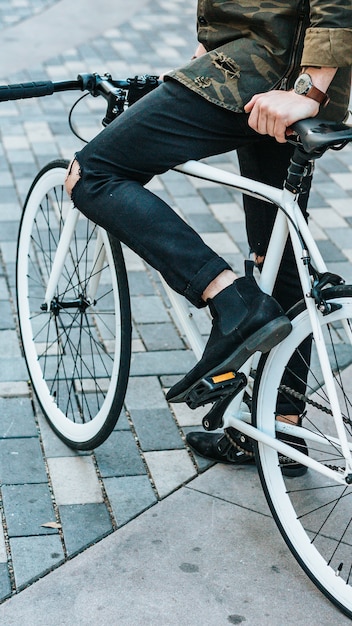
(313, 512)
(77, 350)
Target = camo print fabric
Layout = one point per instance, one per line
(253, 47)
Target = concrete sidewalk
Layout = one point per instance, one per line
(177, 540)
(209, 554)
(55, 26)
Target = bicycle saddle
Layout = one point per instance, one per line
(317, 135)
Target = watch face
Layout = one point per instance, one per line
(303, 84)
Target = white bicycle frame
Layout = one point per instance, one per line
(287, 222)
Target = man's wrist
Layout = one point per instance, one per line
(304, 86)
(321, 76)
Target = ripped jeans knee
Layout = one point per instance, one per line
(73, 176)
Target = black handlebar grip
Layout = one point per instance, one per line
(26, 90)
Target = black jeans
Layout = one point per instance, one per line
(165, 128)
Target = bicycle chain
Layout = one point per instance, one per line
(243, 443)
(240, 441)
(300, 396)
(303, 398)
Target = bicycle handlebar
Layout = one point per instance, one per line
(95, 84)
(117, 93)
(25, 90)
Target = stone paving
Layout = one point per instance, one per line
(89, 495)
(13, 11)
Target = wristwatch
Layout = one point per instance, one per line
(304, 87)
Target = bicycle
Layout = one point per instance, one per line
(74, 318)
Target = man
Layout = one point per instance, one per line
(237, 93)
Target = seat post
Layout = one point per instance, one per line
(301, 166)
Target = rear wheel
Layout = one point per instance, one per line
(78, 351)
(312, 511)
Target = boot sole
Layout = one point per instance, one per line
(262, 340)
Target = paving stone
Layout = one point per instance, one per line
(329, 189)
(140, 284)
(8, 249)
(12, 369)
(179, 187)
(144, 388)
(6, 315)
(316, 200)
(21, 461)
(160, 337)
(221, 243)
(215, 194)
(5, 582)
(74, 480)
(3, 554)
(189, 417)
(317, 232)
(170, 469)
(228, 212)
(32, 557)
(119, 456)
(129, 496)
(83, 525)
(237, 231)
(343, 180)
(122, 422)
(132, 261)
(326, 218)
(137, 345)
(331, 164)
(341, 237)
(204, 223)
(330, 251)
(53, 446)
(156, 429)
(192, 204)
(17, 418)
(13, 389)
(158, 363)
(9, 230)
(148, 309)
(27, 508)
(15, 11)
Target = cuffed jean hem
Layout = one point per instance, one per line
(208, 272)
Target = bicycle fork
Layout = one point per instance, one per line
(60, 258)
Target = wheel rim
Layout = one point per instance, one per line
(313, 513)
(73, 354)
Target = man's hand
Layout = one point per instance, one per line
(273, 112)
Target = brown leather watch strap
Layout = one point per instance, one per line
(318, 95)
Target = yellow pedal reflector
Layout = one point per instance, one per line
(222, 377)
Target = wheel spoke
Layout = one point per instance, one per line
(78, 351)
(312, 503)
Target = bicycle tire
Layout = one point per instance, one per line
(312, 512)
(78, 358)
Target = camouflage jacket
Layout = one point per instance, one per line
(257, 45)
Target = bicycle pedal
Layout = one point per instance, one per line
(215, 388)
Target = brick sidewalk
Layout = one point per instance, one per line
(12, 12)
(145, 458)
